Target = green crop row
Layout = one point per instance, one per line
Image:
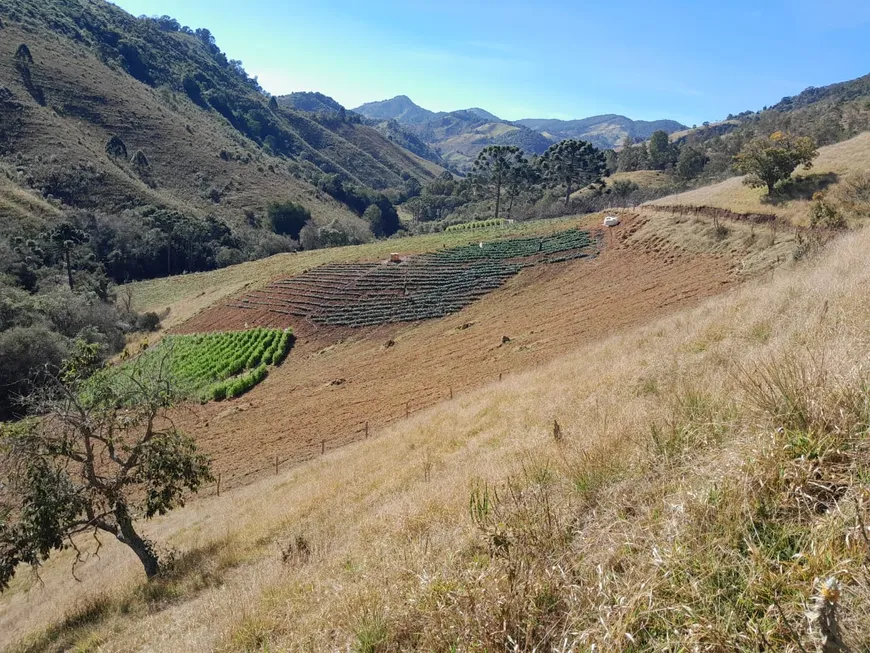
(213, 365)
(478, 224)
(237, 385)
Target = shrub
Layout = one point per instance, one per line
(823, 214)
(191, 87)
(116, 147)
(229, 256)
(288, 218)
(23, 54)
(140, 160)
(25, 352)
(149, 321)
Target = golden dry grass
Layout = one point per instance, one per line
(643, 178)
(679, 510)
(834, 162)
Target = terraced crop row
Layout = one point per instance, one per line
(212, 365)
(421, 287)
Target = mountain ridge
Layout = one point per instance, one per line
(458, 136)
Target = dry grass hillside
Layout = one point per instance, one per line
(835, 166)
(58, 112)
(686, 483)
(88, 103)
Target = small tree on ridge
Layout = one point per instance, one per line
(773, 159)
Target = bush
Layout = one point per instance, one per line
(140, 160)
(25, 352)
(116, 147)
(823, 214)
(228, 256)
(288, 218)
(149, 321)
(191, 87)
(23, 54)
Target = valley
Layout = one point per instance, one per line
(283, 375)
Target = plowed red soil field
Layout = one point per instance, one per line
(337, 379)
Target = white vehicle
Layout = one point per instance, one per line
(611, 221)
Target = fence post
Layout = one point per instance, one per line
(499, 376)
(451, 392)
(407, 409)
(367, 430)
(322, 447)
(276, 465)
(219, 485)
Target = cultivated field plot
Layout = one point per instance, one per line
(421, 287)
(211, 365)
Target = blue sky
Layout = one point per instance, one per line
(686, 60)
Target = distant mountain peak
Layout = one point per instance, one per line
(483, 113)
(400, 108)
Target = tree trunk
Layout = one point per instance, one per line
(141, 547)
(69, 268)
(567, 194)
(497, 197)
(770, 186)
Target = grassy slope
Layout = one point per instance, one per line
(675, 509)
(186, 295)
(835, 162)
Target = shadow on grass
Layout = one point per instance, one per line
(801, 187)
(184, 576)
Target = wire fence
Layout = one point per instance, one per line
(275, 464)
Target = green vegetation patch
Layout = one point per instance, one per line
(215, 366)
(519, 248)
(477, 224)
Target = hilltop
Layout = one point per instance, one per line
(309, 101)
(400, 108)
(456, 136)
